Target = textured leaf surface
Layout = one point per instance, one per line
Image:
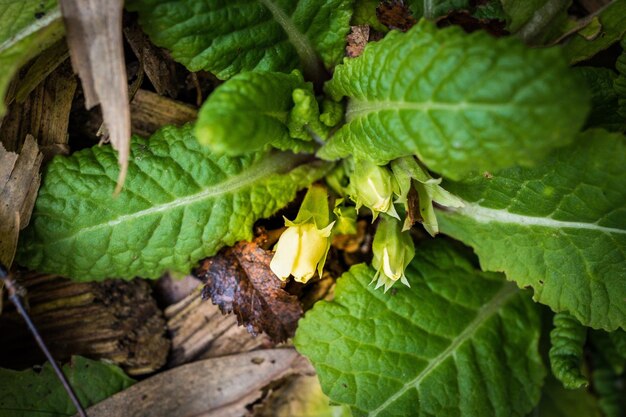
(560, 228)
(180, 204)
(29, 393)
(459, 102)
(26, 28)
(613, 26)
(253, 110)
(603, 84)
(459, 342)
(230, 37)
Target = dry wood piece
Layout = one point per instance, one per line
(114, 320)
(150, 112)
(198, 329)
(219, 387)
(94, 35)
(43, 65)
(44, 114)
(19, 183)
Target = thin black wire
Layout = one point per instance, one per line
(17, 300)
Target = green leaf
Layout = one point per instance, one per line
(227, 38)
(609, 388)
(365, 14)
(431, 9)
(180, 203)
(29, 393)
(459, 102)
(27, 27)
(604, 99)
(559, 228)
(254, 110)
(520, 12)
(537, 21)
(458, 342)
(557, 401)
(607, 351)
(613, 26)
(566, 353)
(491, 10)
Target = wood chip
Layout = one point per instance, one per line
(151, 111)
(94, 36)
(19, 183)
(44, 114)
(219, 387)
(199, 330)
(114, 320)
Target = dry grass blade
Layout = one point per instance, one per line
(94, 35)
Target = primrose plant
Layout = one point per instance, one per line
(465, 135)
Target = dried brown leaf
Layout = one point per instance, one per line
(19, 182)
(219, 387)
(357, 39)
(395, 14)
(158, 66)
(239, 280)
(94, 36)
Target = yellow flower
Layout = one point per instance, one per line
(301, 251)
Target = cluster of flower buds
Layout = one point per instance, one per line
(409, 173)
(302, 248)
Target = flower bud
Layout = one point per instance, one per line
(393, 251)
(302, 248)
(408, 172)
(372, 186)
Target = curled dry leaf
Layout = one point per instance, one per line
(218, 387)
(94, 35)
(19, 182)
(239, 280)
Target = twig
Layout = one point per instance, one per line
(15, 295)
